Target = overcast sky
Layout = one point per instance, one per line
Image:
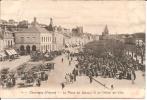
(120, 16)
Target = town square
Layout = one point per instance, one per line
(36, 55)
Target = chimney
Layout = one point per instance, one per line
(51, 21)
(35, 21)
(50, 28)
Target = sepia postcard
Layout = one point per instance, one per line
(72, 49)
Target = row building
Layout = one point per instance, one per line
(37, 38)
(6, 43)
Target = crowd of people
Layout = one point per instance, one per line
(107, 66)
(47, 56)
(27, 74)
(90, 65)
(69, 77)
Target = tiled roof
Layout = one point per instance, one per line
(139, 35)
(34, 29)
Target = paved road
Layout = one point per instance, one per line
(57, 76)
(14, 63)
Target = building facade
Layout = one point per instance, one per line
(6, 39)
(1, 40)
(1, 44)
(33, 38)
(58, 41)
(57, 36)
(74, 41)
(6, 43)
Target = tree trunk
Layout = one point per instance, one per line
(142, 59)
(136, 57)
(132, 54)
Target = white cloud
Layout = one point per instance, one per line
(93, 15)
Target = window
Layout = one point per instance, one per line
(50, 47)
(42, 39)
(46, 48)
(8, 43)
(27, 39)
(22, 39)
(33, 39)
(11, 43)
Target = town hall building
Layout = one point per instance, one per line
(33, 38)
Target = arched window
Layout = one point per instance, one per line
(22, 48)
(34, 48)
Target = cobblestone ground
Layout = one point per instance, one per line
(14, 63)
(57, 76)
(61, 69)
(82, 84)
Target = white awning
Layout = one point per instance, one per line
(9, 52)
(13, 52)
